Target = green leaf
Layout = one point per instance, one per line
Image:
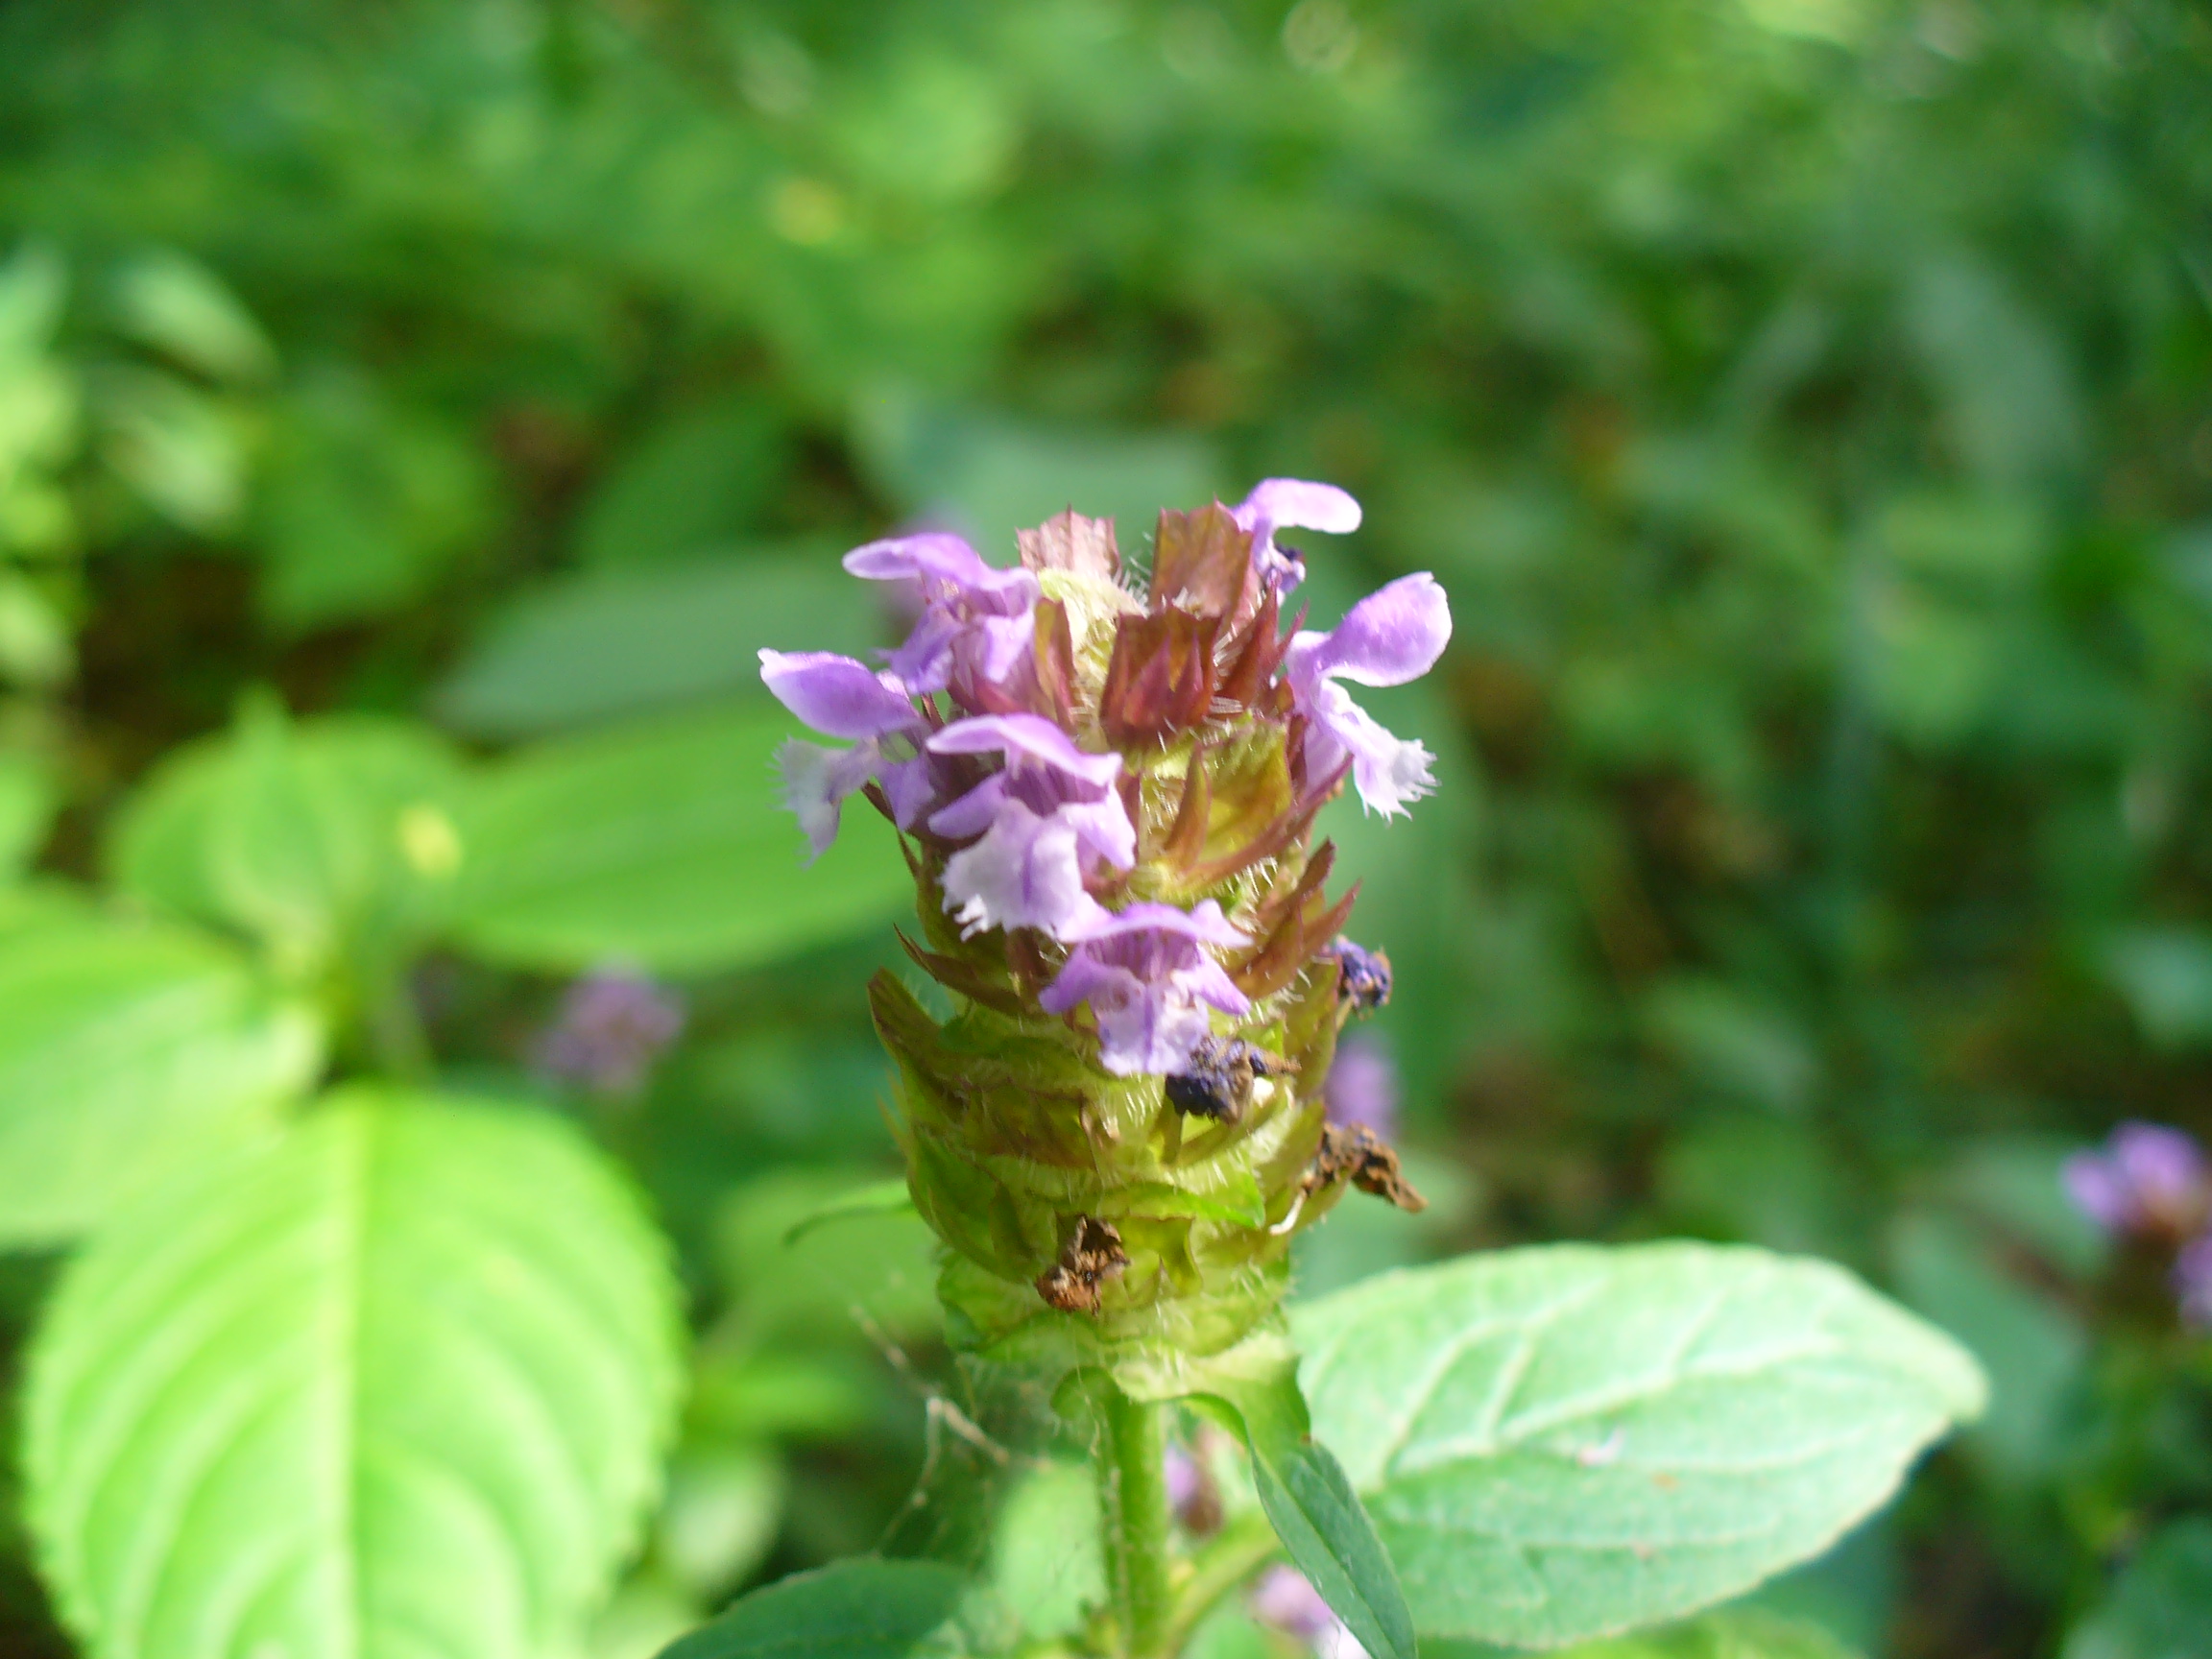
(1047, 1565)
(1311, 1505)
(620, 643)
(2161, 1609)
(27, 804)
(889, 1197)
(663, 844)
(123, 1051)
(1563, 1443)
(392, 1385)
(858, 1609)
(699, 476)
(1732, 1633)
(308, 837)
(177, 305)
(786, 1270)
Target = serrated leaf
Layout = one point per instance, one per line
(309, 837)
(125, 1049)
(1562, 1443)
(390, 1386)
(663, 843)
(858, 1609)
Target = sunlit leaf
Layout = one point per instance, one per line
(1560, 1443)
(393, 1384)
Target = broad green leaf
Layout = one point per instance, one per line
(1309, 1501)
(2161, 1609)
(698, 477)
(856, 1609)
(664, 844)
(27, 803)
(126, 1050)
(2165, 977)
(177, 305)
(719, 1521)
(1562, 1443)
(1732, 1633)
(391, 1386)
(310, 838)
(1046, 1562)
(624, 642)
(788, 1263)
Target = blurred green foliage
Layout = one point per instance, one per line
(1807, 403)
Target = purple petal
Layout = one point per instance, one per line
(835, 694)
(1205, 925)
(2164, 1167)
(1394, 634)
(910, 788)
(1025, 872)
(816, 781)
(974, 813)
(1295, 503)
(1362, 1086)
(1029, 736)
(1389, 771)
(934, 554)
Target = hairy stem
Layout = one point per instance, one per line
(1133, 1482)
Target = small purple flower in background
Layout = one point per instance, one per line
(1363, 1089)
(1287, 1599)
(2149, 1183)
(1393, 635)
(612, 1024)
(1146, 973)
(1192, 1493)
(1051, 810)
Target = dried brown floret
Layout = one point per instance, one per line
(1094, 1253)
(1353, 1152)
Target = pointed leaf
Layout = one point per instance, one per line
(858, 1609)
(391, 1386)
(1557, 1444)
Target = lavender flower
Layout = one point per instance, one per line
(1286, 1600)
(1106, 784)
(1362, 1090)
(1051, 810)
(612, 1024)
(845, 698)
(976, 624)
(2148, 1183)
(1291, 504)
(1392, 636)
(1148, 979)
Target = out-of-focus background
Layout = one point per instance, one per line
(1807, 404)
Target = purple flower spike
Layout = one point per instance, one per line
(2148, 1181)
(1043, 821)
(612, 1026)
(977, 622)
(1291, 504)
(1146, 973)
(1362, 1088)
(1394, 634)
(837, 695)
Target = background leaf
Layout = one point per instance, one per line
(2161, 1609)
(860, 1609)
(666, 845)
(599, 645)
(393, 1384)
(126, 1050)
(1560, 1443)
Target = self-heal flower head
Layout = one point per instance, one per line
(842, 697)
(2148, 1182)
(978, 623)
(1148, 977)
(612, 1026)
(1291, 504)
(1049, 813)
(1393, 635)
(1286, 1599)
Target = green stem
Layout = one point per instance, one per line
(1229, 1559)
(1133, 1482)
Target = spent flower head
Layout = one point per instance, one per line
(611, 1026)
(1106, 791)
